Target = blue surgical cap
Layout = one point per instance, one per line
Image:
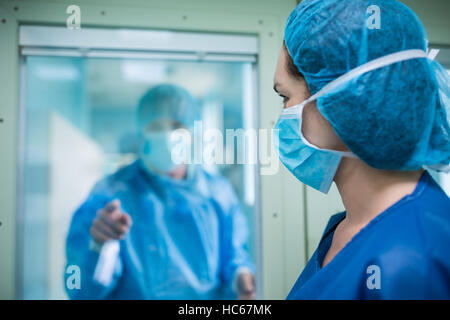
(394, 117)
(167, 101)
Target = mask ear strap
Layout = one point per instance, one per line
(294, 110)
(347, 154)
(370, 66)
(432, 54)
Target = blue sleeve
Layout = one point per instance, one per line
(234, 237)
(80, 255)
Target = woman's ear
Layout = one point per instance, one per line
(318, 130)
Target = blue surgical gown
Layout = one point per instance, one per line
(403, 253)
(187, 241)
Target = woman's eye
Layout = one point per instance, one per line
(285, 99)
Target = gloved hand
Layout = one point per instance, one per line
(246, 286)
(111, 223)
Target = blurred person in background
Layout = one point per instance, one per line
(180, 230)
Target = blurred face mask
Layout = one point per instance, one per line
(156, 151)
(310, 164)
(314, 166)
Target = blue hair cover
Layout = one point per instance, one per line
(395, 117)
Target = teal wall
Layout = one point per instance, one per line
(434, 14)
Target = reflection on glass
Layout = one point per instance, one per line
(81, 125)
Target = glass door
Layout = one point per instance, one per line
(80, 121)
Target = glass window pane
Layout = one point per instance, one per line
(81, 126)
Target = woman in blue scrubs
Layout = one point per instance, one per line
(366, 106)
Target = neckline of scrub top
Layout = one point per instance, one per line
(325, 242)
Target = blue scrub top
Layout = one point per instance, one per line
(403, 253)
(188, 239)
